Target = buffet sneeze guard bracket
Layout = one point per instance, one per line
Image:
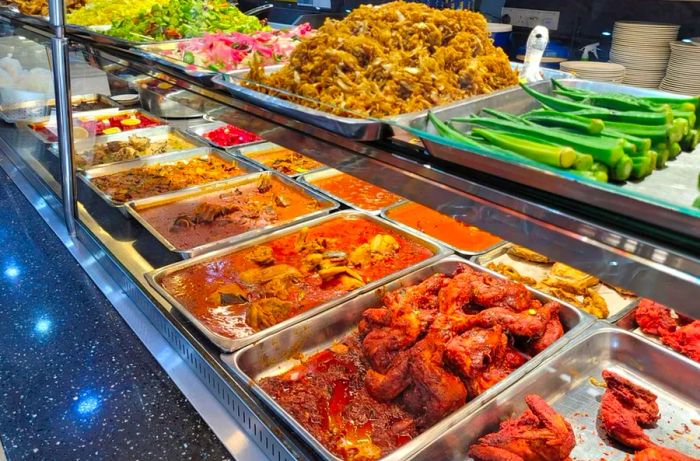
(64, 116)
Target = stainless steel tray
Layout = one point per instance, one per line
(563, 381)
(99, 37)
(618, 305)
(228, 344)
(25, 123)
(468, 254)
(199, 130)
(201, 152)
(628, 323)
(153, 52)
(12, 113)
(664, 197)
(134, 208)
(274, 354)
(155, 134)
(250, 154)
(165, 105)
(353, 128)
(324, 173)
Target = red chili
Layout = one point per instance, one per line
(229, 135)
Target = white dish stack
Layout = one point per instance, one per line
(596, 71)
(643, 48)
(683, 72)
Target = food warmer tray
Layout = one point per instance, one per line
(323, 173)
(230, 345)
(249, 152)
(467, 254)
(96, 33)
(11, 113)
(564, 381)
(201, 152)
(25, 123)
(618, 305)
(274, 354)
(135, 206)
(151, 52)
(199, 130)
(628, 323)
(354, 128)
(155, 134)
(672, 187)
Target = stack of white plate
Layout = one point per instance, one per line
(596, 71)
(683, 73)
(643, 48)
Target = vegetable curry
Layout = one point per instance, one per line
(252, 289)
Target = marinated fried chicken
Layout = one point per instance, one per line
(661, 454)
(625, 408)
(539, 434)
(676, 331)
(435, 345)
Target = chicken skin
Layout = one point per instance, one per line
(625, 408)
(539, 434)
(661, 454)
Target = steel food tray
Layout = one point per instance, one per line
(324, 173)
(618, 305)
(155, 134)
(97, 34)
(200, 130)
(563, 381)
(274, 354)
(230, 345)
(25, 123)
(153, 52)
(670, 189)
(468, 254)
(134, 208)
(250, 153)
(12, 113)
(627, 322)
(353, 128)
(201, 152)
(165, 105)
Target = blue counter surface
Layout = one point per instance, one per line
(75, 381)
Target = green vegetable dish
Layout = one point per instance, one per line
(185, 19)
(604, 137)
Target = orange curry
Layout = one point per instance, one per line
(252, 289)
(357, 192)
(442, 227)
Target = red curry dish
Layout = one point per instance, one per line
(205, 218)
(442, 227)
(255, 288)
(419, 356)
(355, 191)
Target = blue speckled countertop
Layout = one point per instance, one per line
(75, 382)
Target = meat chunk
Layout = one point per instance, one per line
(625, 408)
(539, 434)
(261, 255)
(267, 312)
(654, 318)
(661, 454)
(259, 276)
(685, 340)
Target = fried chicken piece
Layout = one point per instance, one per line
(457, 294)
(381, 345)
(489, 291)
(662, 454)
(539, 434)
(625, 408)
(553, 330)
(531, 324)
(654, 318)
(570, 279)
(474, 351)
(685, 340)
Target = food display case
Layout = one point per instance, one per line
(251, 166)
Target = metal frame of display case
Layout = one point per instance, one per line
(634, 255)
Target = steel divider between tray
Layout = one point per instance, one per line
(453, 444)
(227, 344)
(131, 208)
(310, 344)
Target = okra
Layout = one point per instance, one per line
(600, 176)
(640, 167)
(560, 120)
(558, 156)
(622, 169)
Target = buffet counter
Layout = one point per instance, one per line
(236, 248)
